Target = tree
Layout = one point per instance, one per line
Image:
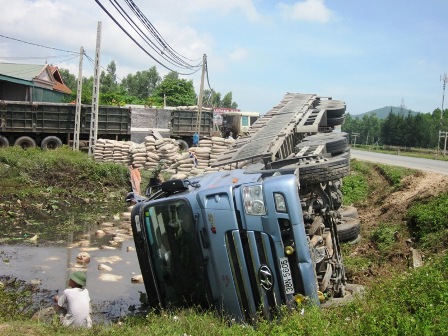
(69, 79)
(175, 91)
(108, 79)
(142, 84)
(211, 98)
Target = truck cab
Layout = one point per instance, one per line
(238, 241)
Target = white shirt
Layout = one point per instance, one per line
(77, 301)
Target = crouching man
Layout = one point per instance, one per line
(74, 303)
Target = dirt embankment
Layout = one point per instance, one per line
(388, 207)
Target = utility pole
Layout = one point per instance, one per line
(95, 93)
(444, 79)
(201, 92)
(78, 102)
(355, 135)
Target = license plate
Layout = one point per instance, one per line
(286, 276)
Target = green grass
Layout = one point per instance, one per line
(428, 222)
(394, 174)
(355, 187)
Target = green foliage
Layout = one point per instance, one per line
(428, 221)
(397, 129)
(142, 84)
(355, 187)
(211, 98)
(415, 304)
(175, 91)
(55, 164)
(15, 298)
(384, 236)
(143, 88)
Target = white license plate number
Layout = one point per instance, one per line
(286, 276)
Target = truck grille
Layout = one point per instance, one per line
(248, 252)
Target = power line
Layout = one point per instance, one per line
(145, 38)
(39, 45)
(139, 45)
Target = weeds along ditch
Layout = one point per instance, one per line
(43, 187)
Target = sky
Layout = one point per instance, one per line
(369, 54)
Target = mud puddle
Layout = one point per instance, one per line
(113, 263)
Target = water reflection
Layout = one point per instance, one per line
(111, 290)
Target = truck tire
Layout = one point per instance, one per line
(349, 229)
(182, 145)
(348, 212)
(51, 142)
(3, 141)
(330, 170)
(335, 121)
(25, 142)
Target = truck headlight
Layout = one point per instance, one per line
(280, 203)
(253, 200)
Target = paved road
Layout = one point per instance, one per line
(435, 166)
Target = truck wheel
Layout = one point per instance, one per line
(182, 145)
(349, 229)
(318, 172)
(348, 212)
(25, 142)
(4, 141)
(51, 142)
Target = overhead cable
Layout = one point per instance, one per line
(39, 45)
(138, 44)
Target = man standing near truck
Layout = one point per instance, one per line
(195, 139)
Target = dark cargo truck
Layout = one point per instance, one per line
(176, 123)
(50, 125)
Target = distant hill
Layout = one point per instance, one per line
(383, 112)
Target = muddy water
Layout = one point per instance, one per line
(48, 267)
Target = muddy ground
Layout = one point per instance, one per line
(386, 206)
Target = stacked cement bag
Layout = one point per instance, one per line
(121, 152)
(108, 151)
(201, 157)
(112, 151)
(183, 166)
(98, 150)
(152, 157)
(138, 153)
(167, 149)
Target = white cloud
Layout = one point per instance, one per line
(238, 54)
(308, 10)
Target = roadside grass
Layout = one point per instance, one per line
(355, 187)
(394, 174)
(428, 222)
(42, 190)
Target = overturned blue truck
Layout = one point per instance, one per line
(263, 231)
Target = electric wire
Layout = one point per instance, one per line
(39, 45)
(138, 44)
(153, 30)
(153, 46)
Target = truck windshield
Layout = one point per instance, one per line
(175, 253)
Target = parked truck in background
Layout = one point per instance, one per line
(50, 125)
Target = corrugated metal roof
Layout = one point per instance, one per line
(21, 71)
(30, 72)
